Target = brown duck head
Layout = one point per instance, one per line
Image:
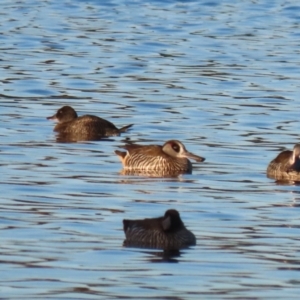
(176, 149)
(64, 114)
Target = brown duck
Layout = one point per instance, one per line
(286, 165)
(172, 157)
(167, 232)
(87, 125)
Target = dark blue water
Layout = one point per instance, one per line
(221, 77)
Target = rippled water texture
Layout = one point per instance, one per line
(220, 76)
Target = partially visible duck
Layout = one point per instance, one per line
(87, 125)
(167, 232)
(172, 156)
(286, 165)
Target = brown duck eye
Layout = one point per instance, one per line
(175, 147)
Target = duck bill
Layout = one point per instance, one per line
(52, 118)
(194, 157)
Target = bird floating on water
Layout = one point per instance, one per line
(286, 165)
(84, 126)
(172, 156)
(167, 232)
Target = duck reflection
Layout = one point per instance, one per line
(85, 137)
(286, 182)
(163, 256)
(153, 173)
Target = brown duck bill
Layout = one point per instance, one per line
(52, 118)
(194, 157)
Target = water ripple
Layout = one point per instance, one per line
(221, 77)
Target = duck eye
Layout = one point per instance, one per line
(175, 147)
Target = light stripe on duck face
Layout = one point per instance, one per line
(167, 232)
(286, 165)
(85, 126)
(172, 156)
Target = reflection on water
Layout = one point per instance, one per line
(153, 173)
(286, 182)
(163, 256)
(210, 74)
(73, 138)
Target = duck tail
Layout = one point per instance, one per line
(125, 128)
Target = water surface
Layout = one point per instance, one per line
(221, 77)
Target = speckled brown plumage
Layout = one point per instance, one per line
(286, 165)
(172, 156)
(167, 232)
(84, 126)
